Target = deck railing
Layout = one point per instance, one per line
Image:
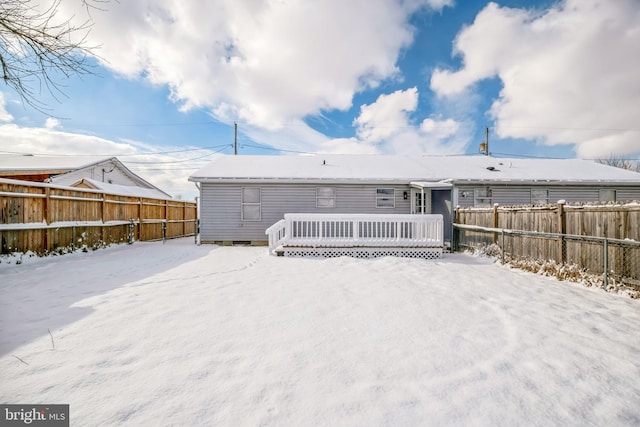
(356, 230)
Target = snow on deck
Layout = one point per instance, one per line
(178, 334)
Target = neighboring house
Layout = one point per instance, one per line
(121, 190)
(241, 196)
(71, 170)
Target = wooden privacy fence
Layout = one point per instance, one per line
(603, 239)
(611, 220)
(42, 218)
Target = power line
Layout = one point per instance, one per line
(163, 124)
(183, 160)
(276, 149)
(117, 155)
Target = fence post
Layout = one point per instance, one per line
(455, 235)
(164, 231)
(103, 216)
(356, 224)
(502, 245)
(184, 218)
(140, 206)
(47, 219)
(606, 262)
(495, 222)
(195, 231)
(132, 228)
(562, 229)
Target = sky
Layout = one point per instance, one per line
(188, 335)
(551, 79)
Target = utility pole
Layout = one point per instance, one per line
(484, 146)
(486, 130)
(235, 138)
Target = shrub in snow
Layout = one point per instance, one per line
(17, 258)
(551, 268)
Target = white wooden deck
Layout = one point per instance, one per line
(362, 236)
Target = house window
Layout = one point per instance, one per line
(539, 197)
(482, 196)
(607, 195)
(251, 204)
(385, 198)
(325, 197)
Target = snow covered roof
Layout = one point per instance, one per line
(15, 162)
(121, 190)
(60, 168)
(405, 169)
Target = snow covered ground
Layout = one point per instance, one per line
(179, 334)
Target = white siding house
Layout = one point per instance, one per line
(72, 170)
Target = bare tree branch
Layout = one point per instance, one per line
(36, 48)
(620, 162)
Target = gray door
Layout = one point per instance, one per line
(441, 204)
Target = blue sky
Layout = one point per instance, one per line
(548, 78)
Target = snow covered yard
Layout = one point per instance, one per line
(178, 334)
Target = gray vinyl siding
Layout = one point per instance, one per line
(520, 195)
(511, 195)
(466, 196)
(574, 194)
(220, 206)
(624, 194)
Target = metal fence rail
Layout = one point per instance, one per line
(612, 260)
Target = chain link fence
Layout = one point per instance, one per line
(608, 263)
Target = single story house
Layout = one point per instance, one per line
(72, 170)
(121, 190)
(241, 196)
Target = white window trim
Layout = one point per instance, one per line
(392, 197)
(243, 204)
(319, 197)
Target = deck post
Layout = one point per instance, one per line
(356, 225)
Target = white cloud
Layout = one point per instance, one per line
(440, 128)
(387, 116)
(257, 61)
(5, 116)
(386, 126)
(569, 74)
(52, 123)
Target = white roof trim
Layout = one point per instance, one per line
(429, 184)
